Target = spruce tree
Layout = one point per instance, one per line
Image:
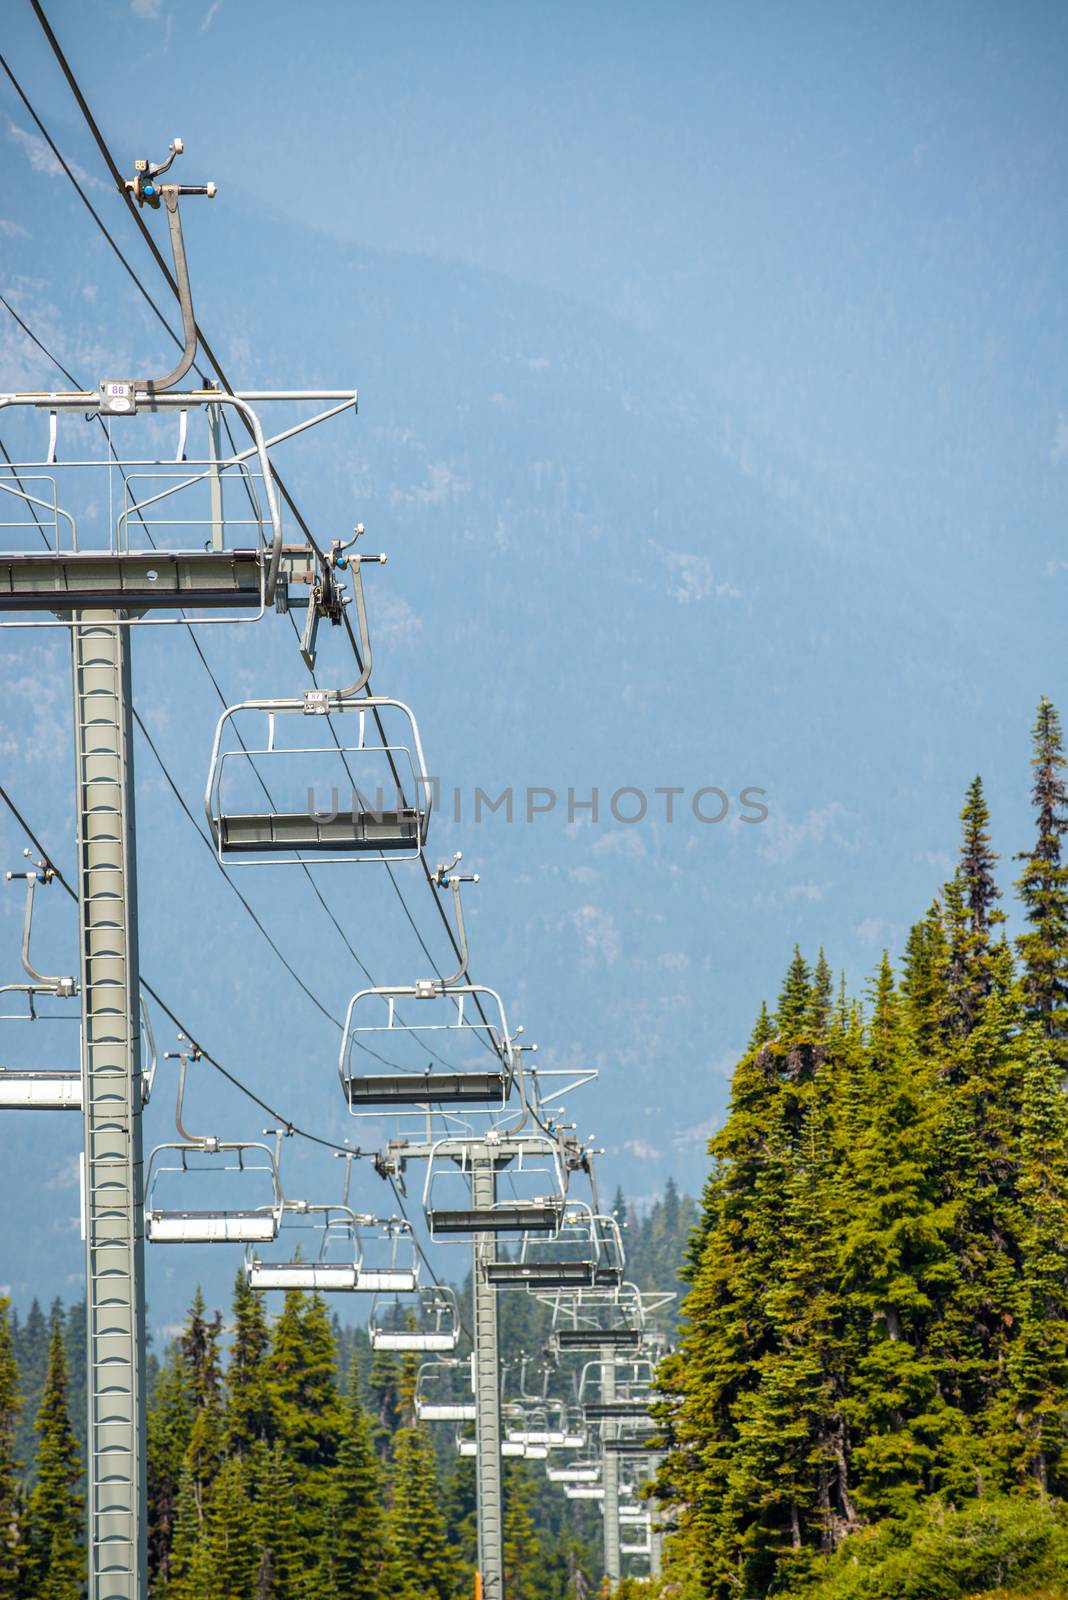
(1043, 888)
(972, 914)
(230, 1538)
(280, 1559)
(310, 1417)
(11, 1531)
(764, 1029)
(200, 1353)
(355, 1554)
(523, 1576)
(56, 1562)
(383, 1393)
(178, 1577)
(249, 1412)
(822, 995)
(923, 981)
(31, 1352)
(1028, 1422)
(425, 1566)
(170, 1422)
(794, 1011)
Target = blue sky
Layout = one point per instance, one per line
(713, 414)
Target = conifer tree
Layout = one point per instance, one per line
(822, 997)
(922, 982)
(884, 1010)
(971, 911)
(31, 1352)
(11, 1532)
(460, 1512)
(280, 1559)
(764, 1029)
(523, 1577)
(249, 1412)
(55, 1559)
(383, 1392)
(230, 1536)
(1043, 887)
(177, 1565)
(170, 1422)
(425, 1565)
(200, 1354)
(1029, 1422)
(794, 1010)
(310, 1417)
(355, 1554)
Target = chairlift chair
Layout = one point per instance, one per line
(569, 1340)
(576, 1472)
(635, 1545)
(167, 1224)
(38, 1088)
(638, 1444)
(334, 1267)
(342, 798)
(608, 1410)
(443, 1392)
(389, 1257)
(434, 1034)
(50, 1088)
(176, 1162)
(583, 1253)
(509, 1449)
(427, 1322)
(534, 1166)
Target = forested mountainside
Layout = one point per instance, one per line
(870, 1396)
(284, 1456)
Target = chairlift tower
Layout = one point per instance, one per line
(98, 589)
(612, 1558)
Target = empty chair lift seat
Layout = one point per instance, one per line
(540, 1274)
(606, 1410)
(211, 1227)
(598, 1338)
(323, 1276)
(427, 1088)
(40, 1091)
(534, 1217)
(249, 833)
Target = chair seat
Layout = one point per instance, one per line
(247, 832)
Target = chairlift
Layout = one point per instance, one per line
(509, 1449)
(640, 1545)
(333, 1268)
(634, 1514)
(428, 1321)
(584, 1491)
(583, 1339)
(608, 1410)
(640, 1444)
(26, 1088)
(389, 1257)
(534, 1167)
(585, 1252)
(434, 1034)
(177, 1162)
(329, 794)
(444, 1392)
(576, 1472)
